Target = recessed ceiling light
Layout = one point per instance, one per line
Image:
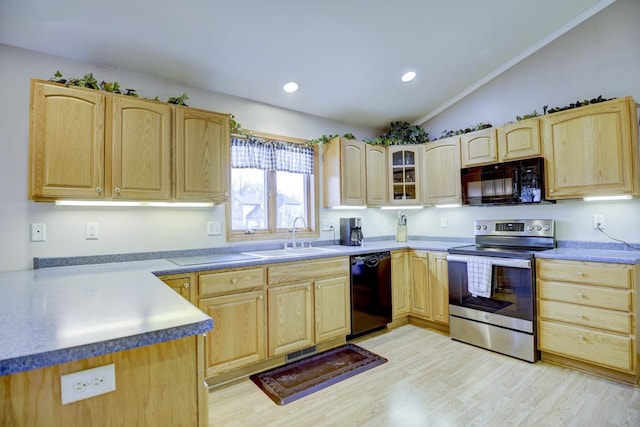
(290, 87)
(407, 77)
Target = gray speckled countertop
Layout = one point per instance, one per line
(60, 314)
(592, 254)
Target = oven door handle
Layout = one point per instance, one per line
(499, 262)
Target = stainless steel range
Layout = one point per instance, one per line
(492, 286)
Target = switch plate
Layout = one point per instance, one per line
(38, 232)
(327, 225)
(443, 222)
(93, 231)
(88, 383)
(598, 219)
(214, 228)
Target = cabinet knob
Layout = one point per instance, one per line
(505, 155)
(551, 190)
(185, 285)
(226, 194)
(98, 189)
(579, 274)
(116, 190)
(308, 288)
(234, 281)
(580, 316)
(580, 295)
(581, 337)
(260, 297)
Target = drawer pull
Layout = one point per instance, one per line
(260, 297)
(579, 274)
(580, 316)
(581, 337)
(234, 281)
(580, 295)
(185, 285)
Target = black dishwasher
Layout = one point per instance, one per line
(370, 293)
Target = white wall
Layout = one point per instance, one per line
(122, 230)
(599, 57)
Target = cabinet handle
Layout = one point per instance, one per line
(551, 190)
(226, 194)
(580, 295)
(579, 274)
(580, 316)
(505, 155)
(98, 189)
(234, 281)
(116, 190)
(308, 288)
(185, 285)
(260, 297)
(581, 337)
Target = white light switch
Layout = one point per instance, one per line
(214, 228)
(38, 232)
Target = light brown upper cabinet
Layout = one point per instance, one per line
(202, 155)
(404, 174)
(344, 173)
(66, 142)
(519, 140)
(592, 150)
(377, 175)
(139, 134)
(479, 147)
(441, 174)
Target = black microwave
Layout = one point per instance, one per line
(508, 183)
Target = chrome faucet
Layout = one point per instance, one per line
(293, 230)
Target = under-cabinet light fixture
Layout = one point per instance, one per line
(605, 198)
(349, 207)
(400, 207)
(107, 203)
(450, 205)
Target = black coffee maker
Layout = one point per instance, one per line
(351, 231)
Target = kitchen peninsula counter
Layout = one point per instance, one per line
(56, 315)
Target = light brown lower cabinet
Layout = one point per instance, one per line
(309, 303)
(429, 298)
(587, 314)
(235, 300)
(400, 285)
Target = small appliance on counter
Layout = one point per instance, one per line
(401, 231)
(351, 231)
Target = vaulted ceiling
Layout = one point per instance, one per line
(347, 56)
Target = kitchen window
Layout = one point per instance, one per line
(273, 181)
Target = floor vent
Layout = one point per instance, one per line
(301, 353)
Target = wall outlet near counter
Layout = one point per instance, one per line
(327, 225)
(443, 222)
(598, 222)
(38, 232)
(93, 231)
(214, 228)
(88, 383)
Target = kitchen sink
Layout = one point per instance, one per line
(290, 252)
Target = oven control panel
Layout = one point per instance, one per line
(514, 227)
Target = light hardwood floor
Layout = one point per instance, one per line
(431, 380)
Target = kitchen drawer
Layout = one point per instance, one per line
(615, 321)
(609, 350)
(228, 281)
(585, 295)
(592, 273)
(307, 270)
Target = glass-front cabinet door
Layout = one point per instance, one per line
(404, 173)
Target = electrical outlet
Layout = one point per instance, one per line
(93, 231)
(88, 383)
(598, 222)
(213, 228)
(327, 225)
(38, 232)
(443, 222)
